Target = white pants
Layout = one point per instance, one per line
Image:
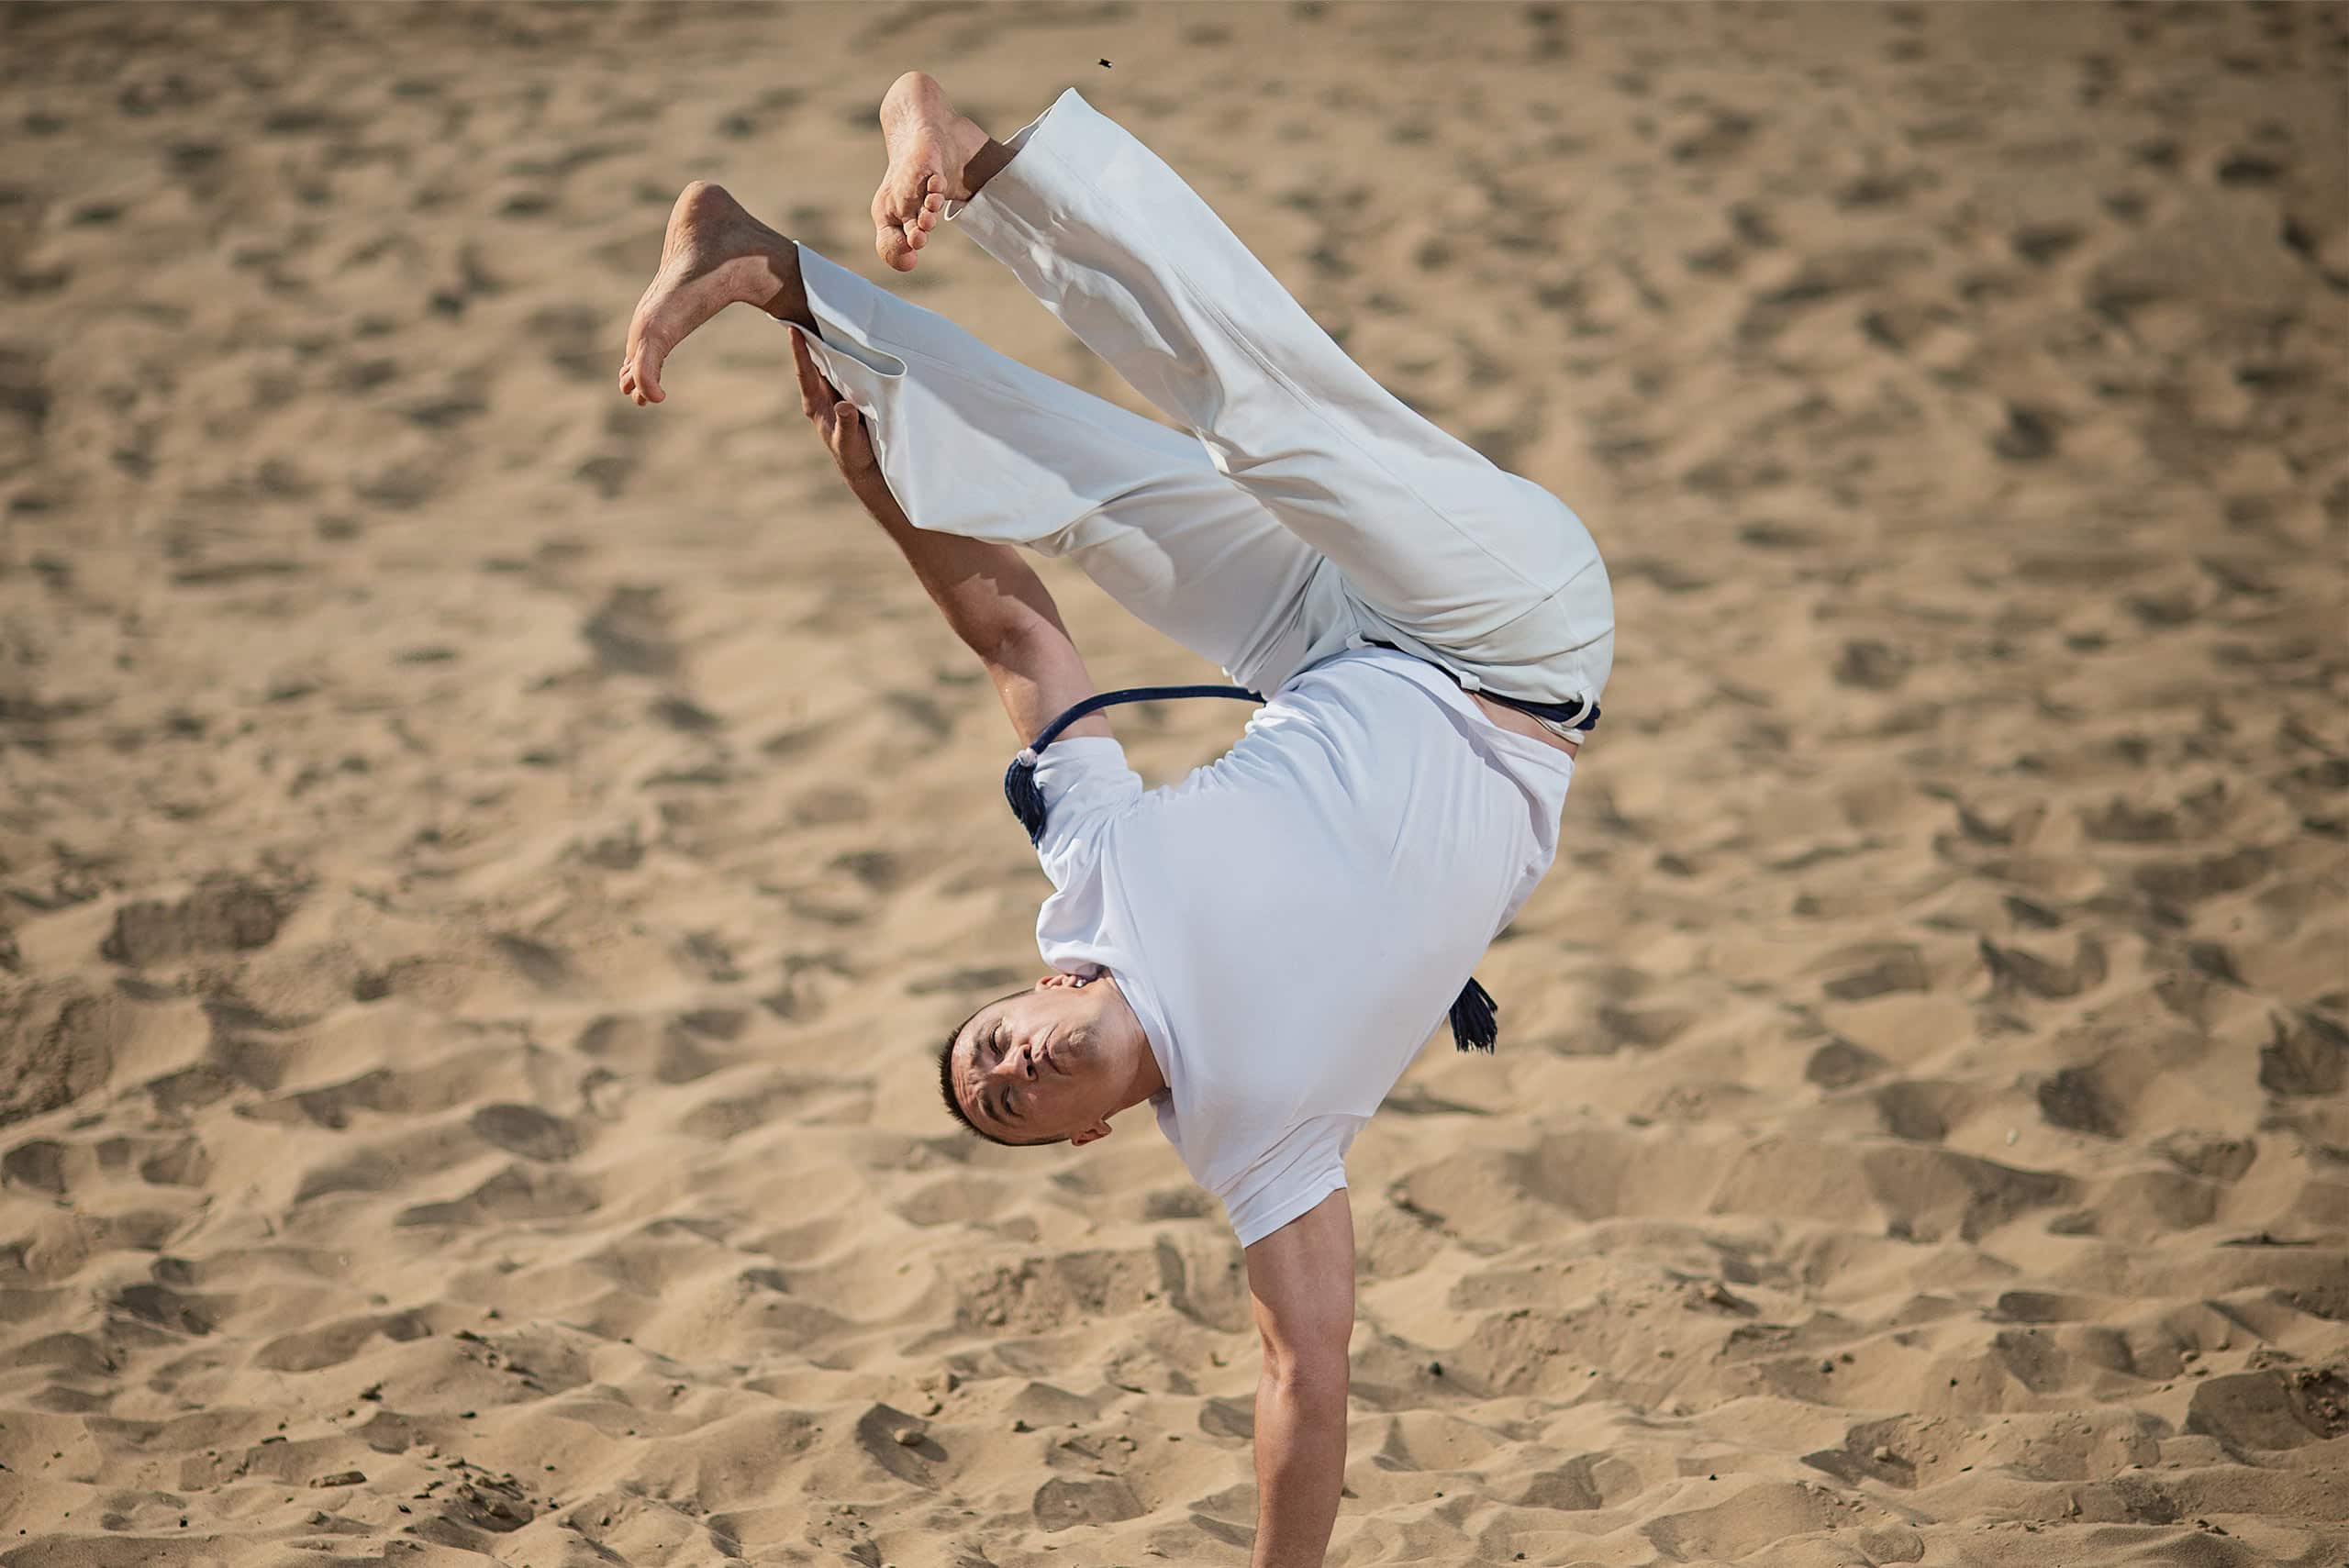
(1301, 509)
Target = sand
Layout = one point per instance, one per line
(484, 868)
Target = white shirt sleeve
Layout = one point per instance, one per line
(1307, 1165)
(1087, 784)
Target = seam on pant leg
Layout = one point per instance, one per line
(1304, 401)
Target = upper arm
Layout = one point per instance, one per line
(1301, 1278)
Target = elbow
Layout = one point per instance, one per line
(995, 620)
(1005, 640)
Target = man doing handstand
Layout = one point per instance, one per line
(1260, 950)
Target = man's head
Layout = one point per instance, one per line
(1047, 1064)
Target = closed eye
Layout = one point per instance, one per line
(1010, 1112)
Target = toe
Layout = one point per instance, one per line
(646, 362)
(903, 194)
(894, 247)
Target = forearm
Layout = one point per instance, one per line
(992, 601)
(989, 596)
(1000, 609)
(1300, 1467)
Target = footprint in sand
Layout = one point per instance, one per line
(2016, 971)
(572, 336)
(57, 1043)
(167, 1309)
(1921, 1112)
(2258, 1413)
(528, 1131)
(629, 633)
(2078, 1100)
(899, 1443)
(682, 1058)
(519, 1193)
(331, 1344)
(1839, 1065)
(1064, 1501)
(608, 473)
(2308, 1056)
(224, 915)
(1876, 968)
(544, 967)
(37, 1163)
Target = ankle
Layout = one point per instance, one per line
(789, 301)
(984, 162)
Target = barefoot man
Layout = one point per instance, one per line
(1259, 951)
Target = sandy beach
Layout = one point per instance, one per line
(485, 869)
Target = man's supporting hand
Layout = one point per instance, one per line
(1302, 1277)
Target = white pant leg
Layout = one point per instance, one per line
(974, 442)
(1485, 572)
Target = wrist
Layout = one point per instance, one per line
(872, 492)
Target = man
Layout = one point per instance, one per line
(1260, 950)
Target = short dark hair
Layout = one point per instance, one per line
(946, 1079)
(954, 1101)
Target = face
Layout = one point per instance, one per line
(1038, 1067)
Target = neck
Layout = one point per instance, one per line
(1118, 1018)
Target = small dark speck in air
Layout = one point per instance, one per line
(1106, 65)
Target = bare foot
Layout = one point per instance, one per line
(715, 255)
(931, 148)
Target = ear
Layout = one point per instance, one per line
(1094, 1134)
(1057, 979)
